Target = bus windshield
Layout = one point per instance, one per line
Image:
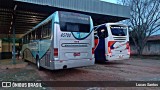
(118, 30)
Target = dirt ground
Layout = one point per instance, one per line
(134, 69)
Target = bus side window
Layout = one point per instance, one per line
(33, 35)
(46, 32)
(29, 37)
(49, 29)
(38, 33)
(25, 39)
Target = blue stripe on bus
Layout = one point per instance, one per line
(34, 54)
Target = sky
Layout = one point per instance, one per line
(111, 1)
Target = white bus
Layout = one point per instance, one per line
(111, 42)
(63, 40)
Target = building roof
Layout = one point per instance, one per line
(29, 13)
(154, 38)
(91, 6)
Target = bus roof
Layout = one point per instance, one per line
(109, 24)
(47, 20)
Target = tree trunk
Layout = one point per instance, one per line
(140, 49)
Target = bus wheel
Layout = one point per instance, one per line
(38, 63)
(23, 58)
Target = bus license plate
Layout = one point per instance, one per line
(76, 54)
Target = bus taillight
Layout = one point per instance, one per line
(128, 47)
(93, 50)
(129, 51)
(109, 51)
(110, 47)
(55, 51)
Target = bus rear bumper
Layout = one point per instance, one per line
(64, 64)
(117, 57)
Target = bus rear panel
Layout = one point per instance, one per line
(74, 40)
(118, 42)
(69, 44)
(113, 42)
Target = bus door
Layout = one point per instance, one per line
(101, 50)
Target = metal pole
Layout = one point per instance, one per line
(14, 56)
(14, 36)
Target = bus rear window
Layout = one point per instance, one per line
(119, 31)
(75, 27)
(74, 22)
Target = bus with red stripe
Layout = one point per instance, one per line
(111, 42)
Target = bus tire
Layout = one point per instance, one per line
(38, 64)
